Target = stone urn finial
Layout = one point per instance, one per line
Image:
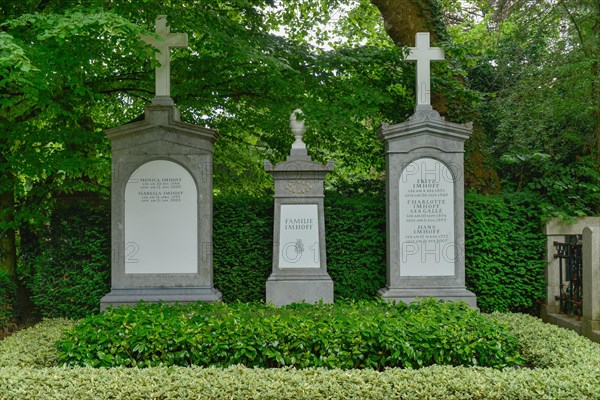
(298, 129)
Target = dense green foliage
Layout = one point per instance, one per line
(52, 104)
(243, 243)
(181, 383)
(563, 365)
(547, 346)
(374, 335)
(505, 250)
(34, 346)
(8, 292)
(68, 267)
(72, 69)
(535, 67)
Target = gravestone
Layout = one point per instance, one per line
(299, 260)
(425, 197)
(161, 193)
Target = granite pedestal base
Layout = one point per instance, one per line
(283, 292)
(409, 295)
(130, 297)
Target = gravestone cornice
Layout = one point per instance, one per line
(161, 117)
(425, 121)
(295, 164)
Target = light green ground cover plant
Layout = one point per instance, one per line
(563, 365)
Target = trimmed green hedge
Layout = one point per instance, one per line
(66, 264)
(505, 252)
(34, 347)
(564, 366)
(242, 246)
(347, 335)
(355, 239)
(239, 382)
(243, 243)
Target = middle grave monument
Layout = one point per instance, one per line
(299, 260)
(425, 197)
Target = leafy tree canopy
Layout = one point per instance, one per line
(535, 66)
(70, 69)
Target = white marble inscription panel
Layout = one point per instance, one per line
(161, 220)
(426, 215)
(299, 236)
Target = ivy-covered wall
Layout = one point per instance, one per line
(66, 263)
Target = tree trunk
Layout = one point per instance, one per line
(8, 247)
(403, 19)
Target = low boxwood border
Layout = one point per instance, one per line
(565, 366)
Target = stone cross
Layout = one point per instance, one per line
(423, 54)
(163, 55)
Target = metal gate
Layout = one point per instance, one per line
(570, 273)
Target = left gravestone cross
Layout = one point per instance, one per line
(162, 199)
(167, 41)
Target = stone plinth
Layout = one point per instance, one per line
(425, 208)
(161, 210)
(591, 282)
(299, 259)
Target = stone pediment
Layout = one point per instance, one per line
(161, 123)
(155, 139)
(425, 128)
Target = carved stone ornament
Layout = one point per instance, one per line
(298, 187)
(426, 114)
